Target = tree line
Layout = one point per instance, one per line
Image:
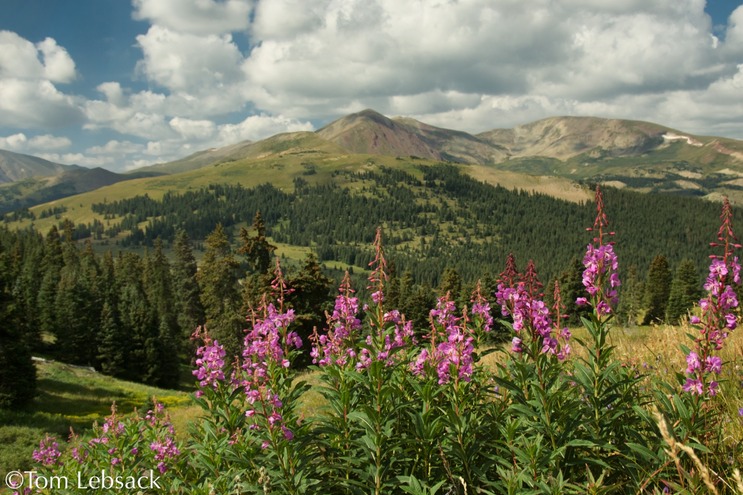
(130, 315)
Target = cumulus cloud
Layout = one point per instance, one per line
(21, 59)
(28, 73)
(196, 16)
(258, 127)
(287, 65)
(187, 62)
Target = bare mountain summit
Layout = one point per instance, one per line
(369, 132)
(16, 166)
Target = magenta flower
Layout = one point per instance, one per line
(48, 452)
(452, 357)
(601, 264)
(210, 365)
(717, 310)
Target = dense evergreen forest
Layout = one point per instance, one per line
(130, 315)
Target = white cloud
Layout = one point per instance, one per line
(21, 59)
(187, 62)
(258, 127)
(36, 104)
(472, 65)
(58, 65)
(115, 147)
(189, 129)
(196, 16)
(14, 142)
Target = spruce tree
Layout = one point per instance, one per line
(111, 354)
(310, 298)
(451, 283)
(162, 346)
(189, 311)
(631, 297)
(220, 296)
(685, 291)
(17, 370)
(657, 290)
(51, 266)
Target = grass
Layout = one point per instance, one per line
(71, 397)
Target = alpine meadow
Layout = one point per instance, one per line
(381, 306)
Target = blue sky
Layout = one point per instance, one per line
(122, 84)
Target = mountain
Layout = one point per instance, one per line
(370, 132)
(69, 181)
(16, 166)
(566, 137)
(623, 153)
(201, 159)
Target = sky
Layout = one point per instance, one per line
(123, 84)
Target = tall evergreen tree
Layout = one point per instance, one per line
(571, 286)
(657, 290)
(135, 314)
(162, 347)
(631, 297)
(220, 296)
(451, 283)
(685, 291)
(112, 345)
(256, 248)
(310, 298)
(189, 311)
(51, 266)
(17, 370)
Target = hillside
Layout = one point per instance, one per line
(68, 182)
(551, 156)
(16, 166)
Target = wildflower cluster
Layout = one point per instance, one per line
(337, 345)
(717, 312)
(600, 276)
(531, 321)
(389, 330)
(452, 357)
(209, 362)
(48, 453)
(266, 350)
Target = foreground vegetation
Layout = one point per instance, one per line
(557, 413)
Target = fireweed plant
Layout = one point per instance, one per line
(555, 414)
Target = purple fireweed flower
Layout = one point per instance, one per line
(210, 365)
(693, 386)
(717, 310)
(693, 362)
(481, 309)
(48, 452)
(713, 364)
(601, 264)
(452, 357)
(531, 321)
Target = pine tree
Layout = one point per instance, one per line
(571, 286)
(451, 283)
(631, 296)
(135, 314)
(51, 266)
(162, 347)
(657, 290)
(685, 291)
(111, 349)
(220, 297)
(310, 298)
(17, 370)
(189, 311)
(256, 248)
